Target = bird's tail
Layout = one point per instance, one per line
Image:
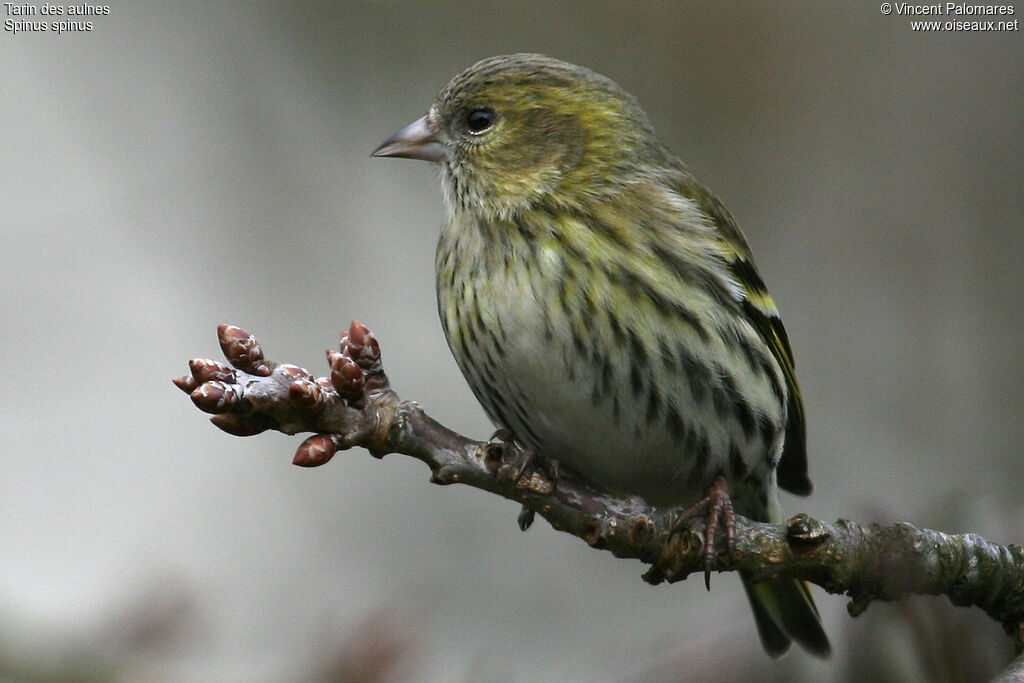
(785, 612)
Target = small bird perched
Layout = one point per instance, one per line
(605, 307)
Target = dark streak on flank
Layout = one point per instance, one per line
(653, 405)
(675, 423)
(617, 331)
(606, 375)
(697, 374)
(737, 465)
(636, 380)
(727, 399)
(637, 348)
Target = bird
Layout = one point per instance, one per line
(605, 308)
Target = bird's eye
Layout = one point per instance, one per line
(479, 120)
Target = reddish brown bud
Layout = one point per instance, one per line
(371, 352)
(346, 377)
(242, 349)
(214, 397)
(236, 425)
(306, 395)
(358, 332)
(316, 450)
(359, 344)
(206, 370)
(186, 383)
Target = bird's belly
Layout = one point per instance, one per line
(583, 401)
(607, 437)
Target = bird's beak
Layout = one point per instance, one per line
(415, 141)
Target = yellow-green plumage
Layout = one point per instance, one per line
(604, 306)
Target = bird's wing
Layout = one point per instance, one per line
(762, 312)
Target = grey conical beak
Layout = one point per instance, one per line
(415, 141)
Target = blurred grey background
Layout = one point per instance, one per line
(187, 164)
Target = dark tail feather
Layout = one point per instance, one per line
(785, 612)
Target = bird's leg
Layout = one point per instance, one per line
(527, 514)
(529, 459)
(716, 506)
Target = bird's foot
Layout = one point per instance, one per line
(531, 460)
(716, 507)
(524, 466)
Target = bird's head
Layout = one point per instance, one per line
(515, 131)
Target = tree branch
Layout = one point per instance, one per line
(356, 406)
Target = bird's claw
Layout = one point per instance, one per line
(716, 507)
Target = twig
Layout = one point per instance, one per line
(356, 406)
